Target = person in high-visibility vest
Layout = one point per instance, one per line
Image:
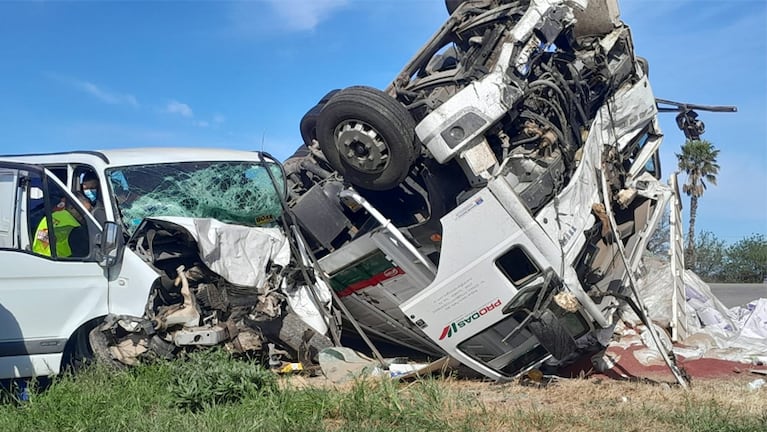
(63, 224)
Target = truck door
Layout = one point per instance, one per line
(50, 281)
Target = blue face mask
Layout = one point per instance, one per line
(91, 194)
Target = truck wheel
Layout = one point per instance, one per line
(308, 123)
(302, 339)
(100, 347)
(452, 5)
(368, 137)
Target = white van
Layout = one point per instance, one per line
(190, 255)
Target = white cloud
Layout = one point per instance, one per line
(96, 91)
(305, 15)
(251, 18)
(180, 108)
(104, 95)
(215, 121)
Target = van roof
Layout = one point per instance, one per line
(142, 156)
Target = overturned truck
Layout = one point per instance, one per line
(494, 201)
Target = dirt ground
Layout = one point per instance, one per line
(599, 403)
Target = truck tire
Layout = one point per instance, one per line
(308, 123)
(302, 339)
(452, 5)
(368, 137)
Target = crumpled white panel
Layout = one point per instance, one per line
(239, 254)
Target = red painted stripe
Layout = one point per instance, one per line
(374, 280)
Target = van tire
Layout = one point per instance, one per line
(77, 351)
(100, 347)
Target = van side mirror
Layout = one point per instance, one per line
(109, 244)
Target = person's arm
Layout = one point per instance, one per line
(99, 214)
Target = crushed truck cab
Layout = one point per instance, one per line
(188, 255)
(494, 201)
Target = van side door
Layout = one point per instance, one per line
(51, 282)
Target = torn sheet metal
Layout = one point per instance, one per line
(303, 301)
(680, 327)
(342, 364)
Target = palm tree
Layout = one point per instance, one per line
(698, 160)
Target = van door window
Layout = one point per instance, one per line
(86, 180)
(58, 228)
(59, 172)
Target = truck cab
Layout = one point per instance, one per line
(494, 201)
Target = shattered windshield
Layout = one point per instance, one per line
(232, 192)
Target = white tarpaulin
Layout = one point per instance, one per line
(737, 334)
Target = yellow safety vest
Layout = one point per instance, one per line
(63, 224)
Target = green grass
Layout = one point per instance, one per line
(210, 391)
(712, 417)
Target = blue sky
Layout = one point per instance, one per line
(98, 75)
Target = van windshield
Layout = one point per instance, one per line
(231, 192)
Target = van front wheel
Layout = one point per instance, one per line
(100, 347)
(77, 352)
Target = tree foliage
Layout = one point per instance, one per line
(710, 252)
(744, 261)
(698, 161)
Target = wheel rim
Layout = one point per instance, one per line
(361, 146)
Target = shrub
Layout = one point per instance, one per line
(213, 377)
